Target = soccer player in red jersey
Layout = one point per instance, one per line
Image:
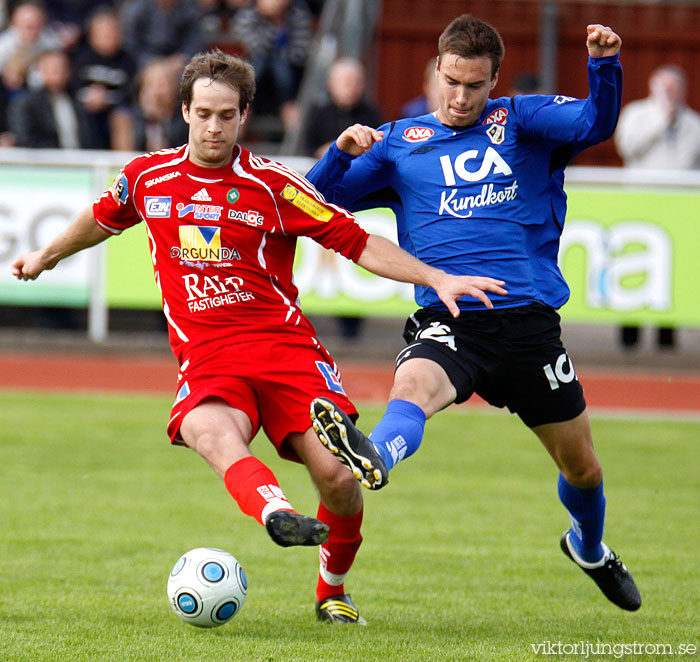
(222, 227)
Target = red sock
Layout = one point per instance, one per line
(338, 553)
(255, 488)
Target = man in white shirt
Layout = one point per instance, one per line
(660, 131)
(663, 133)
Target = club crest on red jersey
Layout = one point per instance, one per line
(498, 116)
(417, 134)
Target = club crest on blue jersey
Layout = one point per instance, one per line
(157, 206)
(496, 133)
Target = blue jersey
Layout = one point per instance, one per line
(487, 200)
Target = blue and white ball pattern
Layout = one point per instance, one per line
(207, 587)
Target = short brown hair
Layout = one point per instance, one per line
(471, 37)
(219, 66)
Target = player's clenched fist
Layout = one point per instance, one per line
(602, 40)
(28, 266)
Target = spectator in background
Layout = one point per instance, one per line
(162, 29)
(346, 106)
(426, 102)
(102, 77)
(158, 121)
(27, 35)
(346, 85)
(276, 36)
(217, 16)
(525, 83)
(663, 133)
(660, 131)
(13, 83)
(49, 116)
(67, 19)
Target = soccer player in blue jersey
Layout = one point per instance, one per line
(477, 187)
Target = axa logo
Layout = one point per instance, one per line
(417, 134)
(202, 243)
(490, 162)
(498, 116)
(157, 206)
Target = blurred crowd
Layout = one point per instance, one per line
(105, 75)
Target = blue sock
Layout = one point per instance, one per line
(400, 432)
(587, 511)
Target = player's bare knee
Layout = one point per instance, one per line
(340, 491)
(405, 389)
(584, 476)
(420, 392)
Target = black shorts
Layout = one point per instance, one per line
(511, 357)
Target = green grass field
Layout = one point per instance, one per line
(460, 559)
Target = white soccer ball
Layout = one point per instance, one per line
(207, 587)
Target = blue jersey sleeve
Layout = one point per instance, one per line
(344, 180)
(561, 119)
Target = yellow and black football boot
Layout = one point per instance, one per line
(339, 609)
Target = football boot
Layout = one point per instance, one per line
(340, 436)
(611, 575)
(339, 609)
(288, 528)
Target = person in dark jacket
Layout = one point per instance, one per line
(49, 116)
(346, 106)
(102, 79)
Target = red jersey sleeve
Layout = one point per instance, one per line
(303, 211)
(114, 210)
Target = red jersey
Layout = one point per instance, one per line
(223, 239)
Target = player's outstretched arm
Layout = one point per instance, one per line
(384, 258)
(602, 41)
(82, 233)
(358, 139)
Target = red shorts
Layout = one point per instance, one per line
(272, 381)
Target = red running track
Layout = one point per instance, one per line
(672, 392)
